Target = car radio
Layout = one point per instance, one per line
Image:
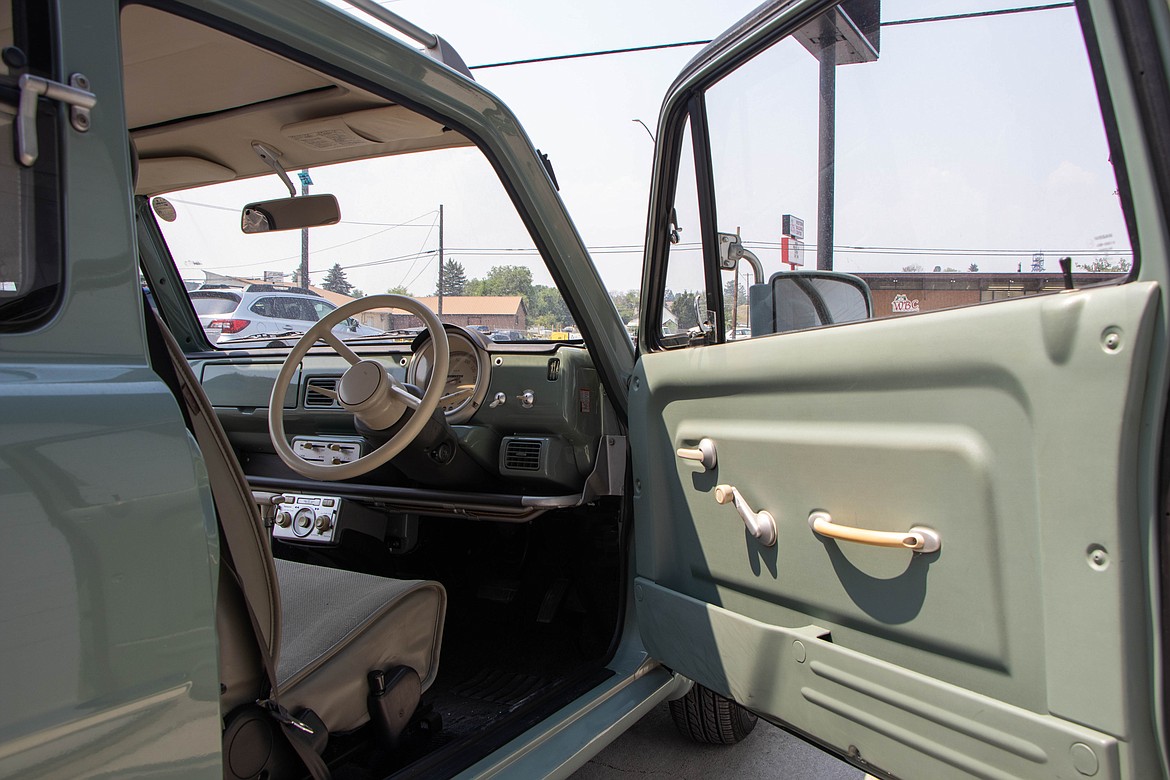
(303, 518)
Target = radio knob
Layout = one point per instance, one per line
(284, 519)
(324, 523)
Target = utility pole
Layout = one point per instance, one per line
(827, 145)
(440, 261)
(304, 274)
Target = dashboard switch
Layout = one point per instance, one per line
(526, 399)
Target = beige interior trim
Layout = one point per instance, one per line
(158, 174)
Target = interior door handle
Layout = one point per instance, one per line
(703, 454)
(918, 539)
(761, 524)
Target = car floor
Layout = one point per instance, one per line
(531, 612)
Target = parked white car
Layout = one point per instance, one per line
(231, 313)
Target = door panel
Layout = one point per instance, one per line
(1010, 430)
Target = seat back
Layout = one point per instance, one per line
(248, 598)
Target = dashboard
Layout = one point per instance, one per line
(529, 420)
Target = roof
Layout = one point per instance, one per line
(337, 299)
(476, 304)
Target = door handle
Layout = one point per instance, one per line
(704, 454)
(918, 539)
(761, 524)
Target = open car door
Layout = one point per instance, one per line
(929, 540)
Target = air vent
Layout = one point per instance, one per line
(523, 454)
(315, 400)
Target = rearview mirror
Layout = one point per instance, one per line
(795, 300)
(290, 213)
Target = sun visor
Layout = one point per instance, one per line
(162, 174)
(394, 128)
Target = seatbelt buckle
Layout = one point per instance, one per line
(281, 715)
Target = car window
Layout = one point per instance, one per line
(30, 258)
(265, 307)
(321, 308)
(214, 303)
(890, 157)
(682, 315)
(300, 309)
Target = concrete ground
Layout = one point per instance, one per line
(653, 748)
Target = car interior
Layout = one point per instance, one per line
(462, 557)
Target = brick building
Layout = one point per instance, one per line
(907, 293)
(497, 312)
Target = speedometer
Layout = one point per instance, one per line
(467, 375)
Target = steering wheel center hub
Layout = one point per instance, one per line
(360, 382)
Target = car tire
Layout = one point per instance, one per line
(709, 718)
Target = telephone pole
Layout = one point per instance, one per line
(440, 261)
(304, 274)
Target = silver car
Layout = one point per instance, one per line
(231, 313)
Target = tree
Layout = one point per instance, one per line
(454, 278)
(1102, 266)
(683, 309)
(913, 268)
(548, 309)
(398, 290)
(356, 293)
(508, 280)
(335, 280)
(730, 298)
(973, 268)
(626, 303)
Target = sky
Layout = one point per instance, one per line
(965, 135)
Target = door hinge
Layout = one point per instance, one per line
(76, 94)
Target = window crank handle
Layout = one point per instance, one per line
(761, 524)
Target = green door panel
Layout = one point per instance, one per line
(831, 691)
(107, 643)
(1012, 431)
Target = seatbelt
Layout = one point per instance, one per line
(200, 421)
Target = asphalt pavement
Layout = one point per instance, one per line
(653, 748)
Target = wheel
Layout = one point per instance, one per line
(366, 389)
(707, 717)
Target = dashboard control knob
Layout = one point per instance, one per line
(303, 522)
(323, 523)
(284, 519)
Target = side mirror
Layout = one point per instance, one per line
(795, 300)
(290, 214)
(352, 324)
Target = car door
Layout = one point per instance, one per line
(929, 540)
(107, 629)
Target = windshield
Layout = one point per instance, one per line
(413, 224)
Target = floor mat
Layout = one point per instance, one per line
(469, 706)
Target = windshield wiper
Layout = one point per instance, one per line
(261, 336)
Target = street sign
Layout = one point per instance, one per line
(791, 251)
(792, 226)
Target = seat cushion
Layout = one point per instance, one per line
(338, 625)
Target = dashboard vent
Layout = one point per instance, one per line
(523, 454)
(315, 400)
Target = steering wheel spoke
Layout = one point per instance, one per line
(406, 397)
(340, 347)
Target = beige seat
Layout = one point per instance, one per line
(323, 630)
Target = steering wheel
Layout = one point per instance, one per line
(366, 389)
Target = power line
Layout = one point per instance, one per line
(681, 44)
